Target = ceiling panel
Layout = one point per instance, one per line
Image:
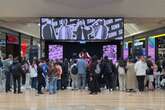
(38, 8)
(132, 25)
(84, 4)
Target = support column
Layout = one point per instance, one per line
(19, 45)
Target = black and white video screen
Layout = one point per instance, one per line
(82, 28)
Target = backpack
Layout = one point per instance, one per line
(74, 70)
(109, 68)
(97, 69)
(25, 68)
(121, 70)
(15, 69)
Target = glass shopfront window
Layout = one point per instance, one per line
(35, 49)
(161, 47)
(2, 44)
(139, 47)
(43, 48)
(25, 46)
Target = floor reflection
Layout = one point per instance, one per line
(81, 100)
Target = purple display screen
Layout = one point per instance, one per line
(151, 48)
(126, 50)
(111, 52)
(55, 52)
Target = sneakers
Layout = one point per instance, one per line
(20, 92)
(40, 93)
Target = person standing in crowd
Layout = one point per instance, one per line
(157, 74)
(1, 64)
(150, 74)
(45, 71)
(40, 77)
(16, 71)
(58, 70)
(2, 75)
(52, 78)
(115, 77)
(33, 75)
(98, 74)
(25, 68)
(107, 70)
(122, 75)
(74, 75)
(163, 66)
(7, 63)
(93, 83)
(82, 72)
(140, 69)
(131, 81)
(65, 75)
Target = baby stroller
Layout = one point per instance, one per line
(162, 81)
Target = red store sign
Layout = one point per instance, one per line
(12, 39)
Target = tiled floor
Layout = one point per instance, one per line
(81, 100)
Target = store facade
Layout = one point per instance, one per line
(150, 43)
(18, 44)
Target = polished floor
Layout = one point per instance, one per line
(81, 100)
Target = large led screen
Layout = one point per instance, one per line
(111, 52)
(82, 28)
(55, 52)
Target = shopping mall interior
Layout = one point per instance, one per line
(82, 54)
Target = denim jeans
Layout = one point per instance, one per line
(2, 80)
(52, 85)
(58, 84)
(8, 80)
(122, 82)
(74, 81)
(27, 81)
(82, 81)
(34, 82)
(157, 81)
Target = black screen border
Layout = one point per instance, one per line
(110, 39)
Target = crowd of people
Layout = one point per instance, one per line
(94, 75)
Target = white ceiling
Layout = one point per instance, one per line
(125, 8)
(132, 26)
(140, 15)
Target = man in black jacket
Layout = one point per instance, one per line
(1, 64)
(40, 77)
(163, 64)
(107, 70)
(65, 75)
(16, 71)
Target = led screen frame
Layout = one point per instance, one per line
(121, 23)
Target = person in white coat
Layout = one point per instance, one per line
(33, 75)
(140, 69)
